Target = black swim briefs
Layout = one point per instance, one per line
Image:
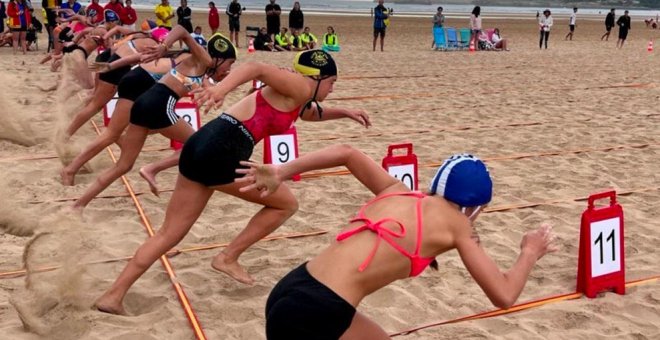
(301, 307)
(113, 77)
(154, 109)
(71, 48)
(136, 82)
(211, 155)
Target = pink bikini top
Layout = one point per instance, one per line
(268, 120)
(417, 263)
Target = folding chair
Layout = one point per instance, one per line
(452, 40)
(439, 41)
(251, 32)
(465, 34)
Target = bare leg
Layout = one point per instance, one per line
(382, 42)
(375, 39)
(134, 140)
(103, 92)
(363, 328)
(180, 131)
(118, 123)
(278, 207)
(187, 203)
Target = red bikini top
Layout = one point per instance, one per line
(417, 263)
(268, 120)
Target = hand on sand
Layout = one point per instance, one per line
(231, 268)
(262, 177)
(539, 242)
(208, 97)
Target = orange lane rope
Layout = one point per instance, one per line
(21, 272)
(183, 298)
(519, 307)
(507, 157)
(51, 156)
(434, 94)
(342, 172)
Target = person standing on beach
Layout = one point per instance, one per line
(214, 18)
(164, 14)
(234, 11)
(396, 235)
(184, 16)
(609, 23)
(49, 6)
(544, 28)
(438, 22)
(571, 24)
(129, 16)
(3, 16)
(380, 16)
(273, 12)
(624, 27)
(296, 18)
(475, 26)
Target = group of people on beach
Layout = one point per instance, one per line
(319, 298)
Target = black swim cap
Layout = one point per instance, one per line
(221, 47)
(315, 63)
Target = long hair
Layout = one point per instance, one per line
(476, 11)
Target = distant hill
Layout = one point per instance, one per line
(542, 3)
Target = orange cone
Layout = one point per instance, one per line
(472, 48)
(650, 46)
(251, 45)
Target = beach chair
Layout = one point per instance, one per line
(251, 32)
(452, 40)
(489, 33)
(439, 41)
(464, 39)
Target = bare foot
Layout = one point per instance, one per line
(151, 179)
(109, 307)
(67, 177)
(233, 269)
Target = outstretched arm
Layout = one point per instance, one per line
(330, 113)
(503, 288)
(118, 29)
(267, 178)
(178, 33)
(285, 82)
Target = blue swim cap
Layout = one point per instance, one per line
(110, 15)
(463, 179)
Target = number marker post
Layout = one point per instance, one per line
(189, 112)
(280, 149)
(403, 168)
(109, 108)
(601, 264)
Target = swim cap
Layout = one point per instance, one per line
(464, 180)
(110, 15)
(148, 25)
(159, 34)
(315, 63)
(221, 47)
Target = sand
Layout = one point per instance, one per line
(573, 96)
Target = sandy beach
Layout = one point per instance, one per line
(553, 125)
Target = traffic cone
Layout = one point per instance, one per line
(650, 46)
(472, 48)
(251, 45)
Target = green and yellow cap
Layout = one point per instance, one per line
(315, 63)
(221, 47)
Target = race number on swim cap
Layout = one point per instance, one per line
(315, 63)
(221, 47)
(464, 180)
(110, 16)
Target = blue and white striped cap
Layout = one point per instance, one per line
(464, 180)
